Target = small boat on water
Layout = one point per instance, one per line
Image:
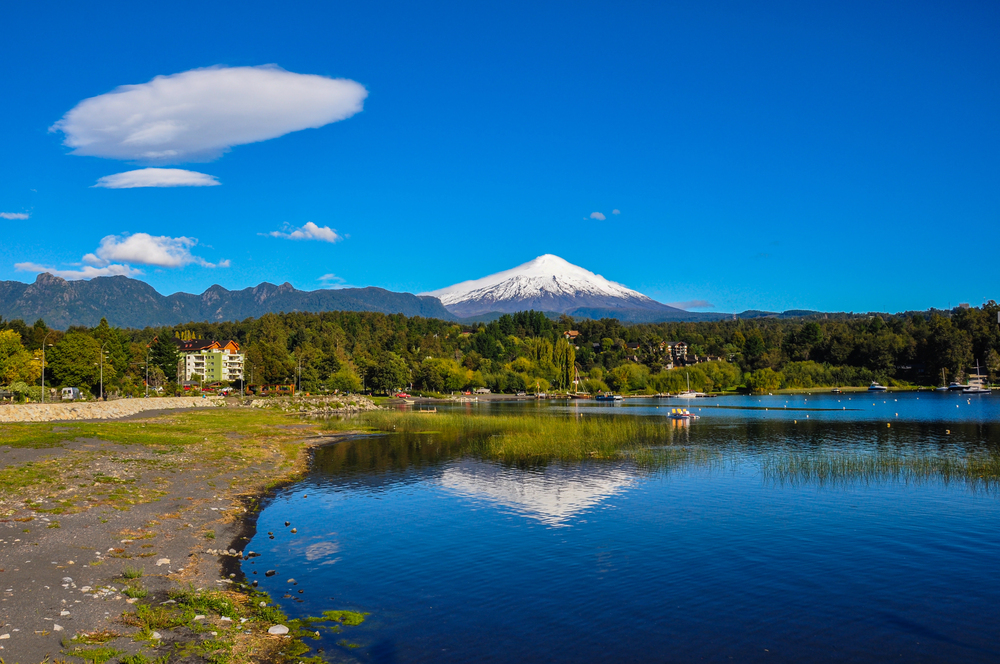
(688, 394)
(977, 384)
(608, 397)
(875, 387)
(836, 390)
(682, 414)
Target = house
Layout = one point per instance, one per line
(212, 361)
(570, 335)
(678, 349)
(482, 390)
(632, 345)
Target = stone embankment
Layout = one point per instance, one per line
(316, 406)
(98, 410)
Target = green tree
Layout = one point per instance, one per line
(163, 354)
(16, 362)
(73, 361)
(388, 373)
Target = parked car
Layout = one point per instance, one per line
(402, 395)
(70, 394)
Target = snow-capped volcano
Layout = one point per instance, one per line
(547, 283)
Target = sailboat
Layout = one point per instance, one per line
(944, 383)
(688, 394)
(977, 383)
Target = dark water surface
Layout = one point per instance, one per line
(463, 560)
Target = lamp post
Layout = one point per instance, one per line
(43, 363)
(102, 371)
(147, 372)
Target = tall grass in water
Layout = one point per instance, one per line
(522, 437)
(982, 469)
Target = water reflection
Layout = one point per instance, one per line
(551, 494)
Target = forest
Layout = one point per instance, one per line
(526, 351)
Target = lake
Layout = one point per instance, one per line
(733, 556)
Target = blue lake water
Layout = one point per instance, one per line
(464, 560)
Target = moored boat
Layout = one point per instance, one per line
(875, 387)
(682, 414)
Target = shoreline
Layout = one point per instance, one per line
(164, 510)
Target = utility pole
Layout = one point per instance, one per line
(147, 372)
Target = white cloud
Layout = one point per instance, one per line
(85, 272)
(198, 115)
(616, 211)
(157, 177)
(598, 216)
(334, 282)
(116, 255)
(13, 215)
(692, 304)
(309, 231)
(146, 249)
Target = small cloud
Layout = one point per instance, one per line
(157, 177)
(13, 215)
(309, 231)
(692, 304)
(334, 282)
(200, 114)
(598, 216)
(616, 211)
(86, 272)
(146, 249)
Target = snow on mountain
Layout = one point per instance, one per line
(547, 283)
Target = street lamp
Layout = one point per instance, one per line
(101, 397)
(43, 363)
(147, 372)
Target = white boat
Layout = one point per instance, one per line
(977, 384)
(688, 394)
(875, 387)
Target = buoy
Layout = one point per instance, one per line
(887, 424)
(948, 431)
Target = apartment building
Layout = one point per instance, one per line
(213, 361)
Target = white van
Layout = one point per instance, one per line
(70, 394)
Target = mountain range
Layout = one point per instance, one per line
(547, 283)
(129, 302)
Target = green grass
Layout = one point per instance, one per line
(94, 655)
(135, 591)
(131, 572)
(523, 437)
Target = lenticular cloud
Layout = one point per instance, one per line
(197, 115)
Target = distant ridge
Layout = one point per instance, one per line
(129, 302)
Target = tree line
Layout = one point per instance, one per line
(526, 351)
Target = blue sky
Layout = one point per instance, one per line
(762, 155)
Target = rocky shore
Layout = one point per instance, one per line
(98, 410)
(123, 538)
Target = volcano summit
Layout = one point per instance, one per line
(547, 283)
